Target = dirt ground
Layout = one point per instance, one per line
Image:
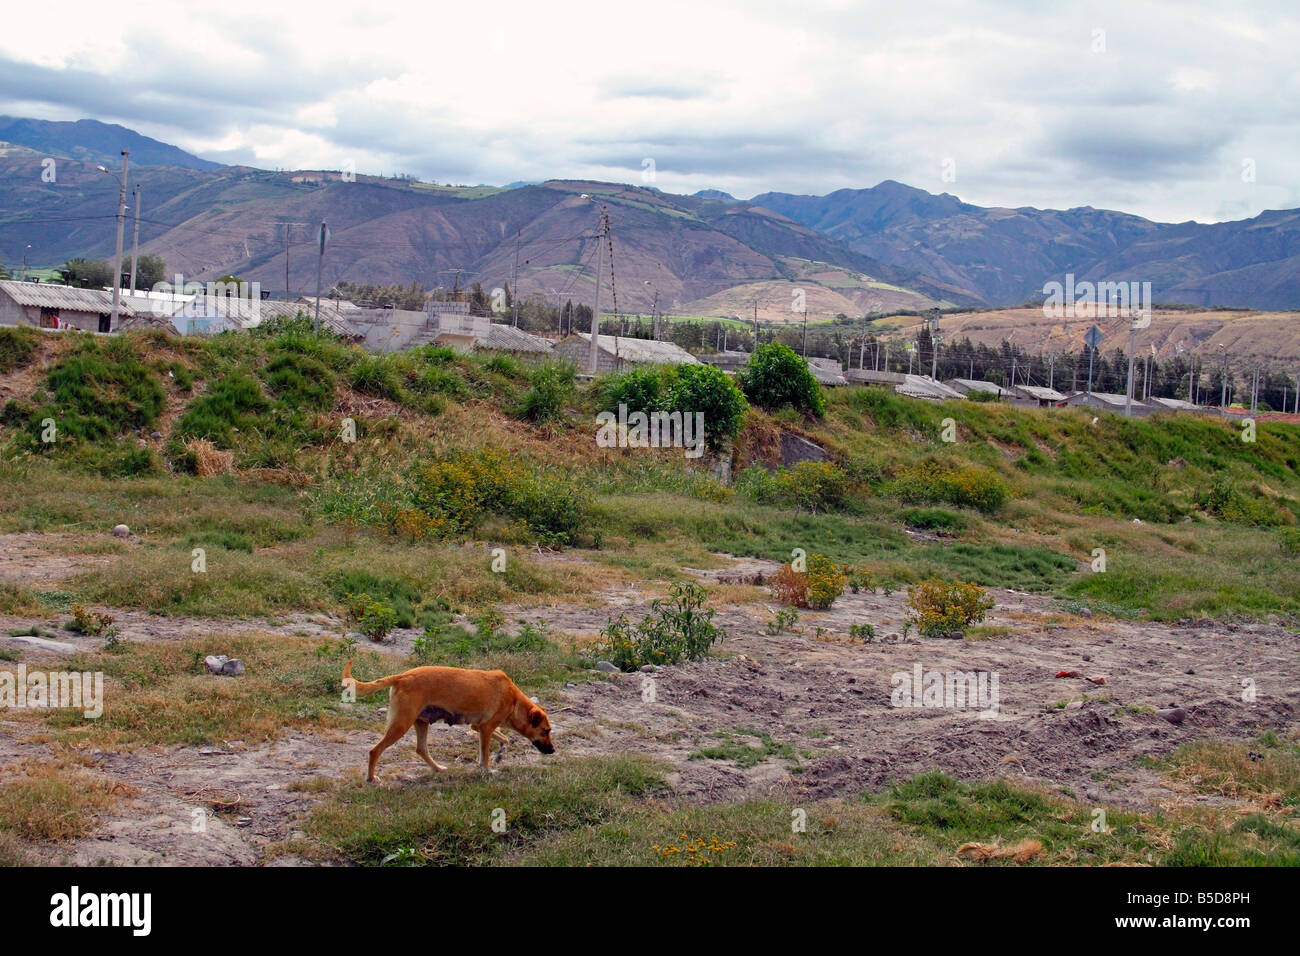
(825, 696)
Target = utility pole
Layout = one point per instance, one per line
(514, 288)
(1051, 371)
(1223, 394)
(805, 334)
(25, 264)
(288, 294)
(755, 323)
(320, 264)
(602, 235)
(117, 259)
(1132, 346)
(135, 238)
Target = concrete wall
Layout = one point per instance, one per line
(11, 313)
(578, 351)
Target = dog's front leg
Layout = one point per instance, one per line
(484, 745)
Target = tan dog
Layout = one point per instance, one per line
(426, 695)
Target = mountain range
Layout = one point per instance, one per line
(853, 251)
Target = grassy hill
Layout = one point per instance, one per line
(239, 441)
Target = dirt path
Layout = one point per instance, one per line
(823, 702)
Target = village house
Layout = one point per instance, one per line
(1038, 395)
(1110, 402)
(968, 385)
(48, 306)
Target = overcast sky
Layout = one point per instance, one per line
(1161, 109)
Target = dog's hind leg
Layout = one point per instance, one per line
(399, 722)
(422, 744)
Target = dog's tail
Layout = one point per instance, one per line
(362, 688)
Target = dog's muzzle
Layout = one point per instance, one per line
(544, 748)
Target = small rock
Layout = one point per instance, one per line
(1087, 657)
(648, 668)
(606, 667)
(1093, 795)
(121, 531)
(955, 635)
(214, 663)
(1175, 715)
(1137, 520)
(244, 821)
(1074, 705)
(1085, 612)
(40, 643)
(1190, 670)
(155, 435)
(233, 668)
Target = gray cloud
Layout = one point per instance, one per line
(742, 95)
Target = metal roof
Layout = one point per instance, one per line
(1176, 404)
(1106, 398)
(1041, 393)
(642, 351)
(922, 386)
(507, 338)
(827, 371)
(977, 385)
(48, 296)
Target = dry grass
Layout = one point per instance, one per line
(209, 460)
(54, 800)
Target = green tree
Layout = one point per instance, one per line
(777, 377)
(90, 273)
(708, 389)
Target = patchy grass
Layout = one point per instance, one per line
(447, 819)
(160, 693)
(735, 749)
(51, 801)
(1265, 772)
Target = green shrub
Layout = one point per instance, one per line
(708, 389)
(967, 486)
(825, 582)
(401, 596)
(234, 403)
(550, 386)
(643, 389)
(17, 347)
(372, 618)
(938, 608)
(375, 375)
(815, 485)
(98, 391)
(456, 494)
(933, 519)
(776, 377)
(676, 629)
(300, 382)
(759, 484)
(1226, 501)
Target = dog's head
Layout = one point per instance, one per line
(537, 728)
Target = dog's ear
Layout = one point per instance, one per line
(535, 718)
